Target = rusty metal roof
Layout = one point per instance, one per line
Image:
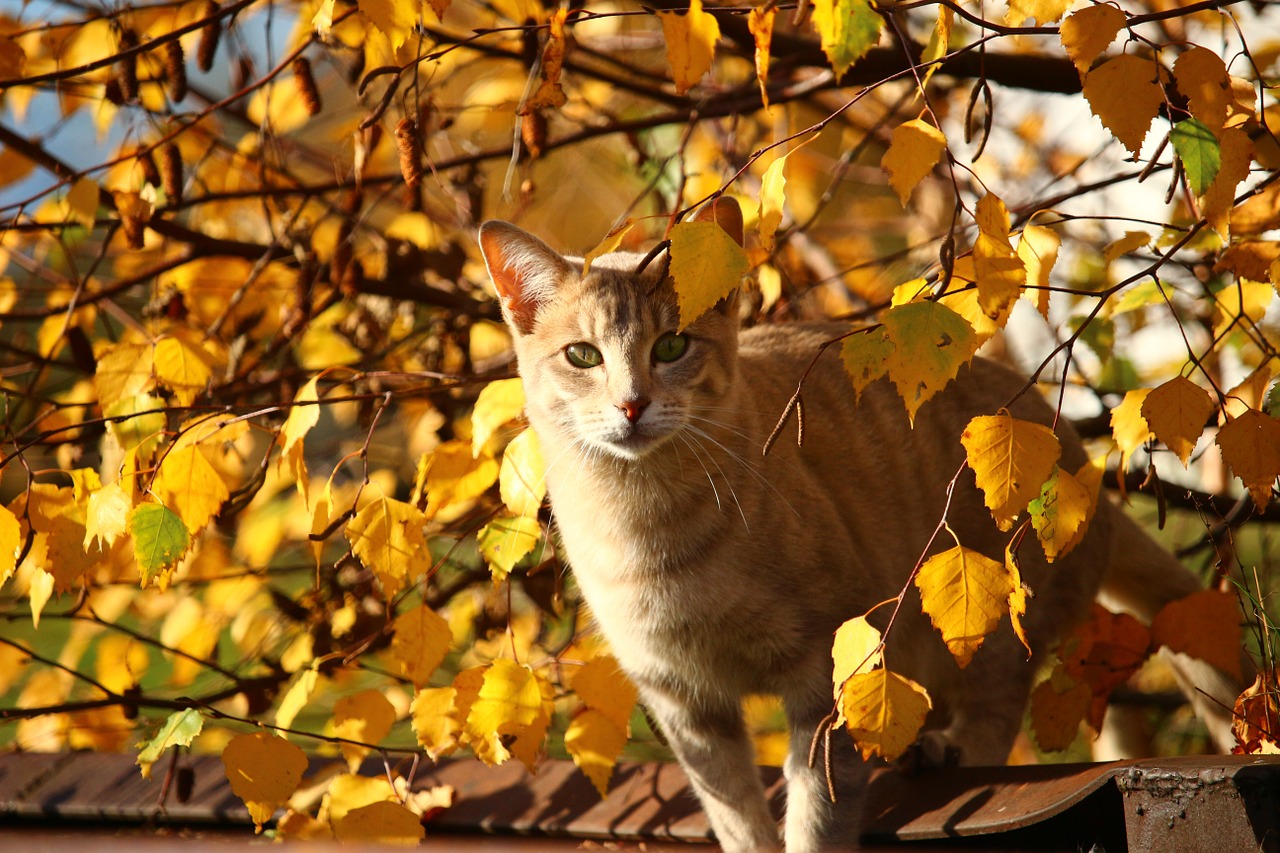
(1211, 803)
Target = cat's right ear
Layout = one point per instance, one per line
(525, 271)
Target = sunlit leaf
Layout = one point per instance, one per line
(1125, 94)
(499, 403)
(1044, 11)
(866, 358)
(522, 479)
(179, 729)
(297, 696)
(1177, 413)
(1060, 513)
(1236, 154)
(510, 715)
(913, 151)
(1250, 444)
(930, 345)
(1202, 78)
(1130, 242)
(601, 685)
(1038, 250)
(884, 712)
(434, 723)
(452, 475)
(384, 823)
(594, 742)
(1017, 595)
(1000, 271)
(188, 483)
(1011, 459)
(610, 243)
(760, 23)
(420, 643)
(506, 541)
(691, 44)
(1086, 33)
(10, 543)
(965, 594)
(264, 770)
(856, 648)
(387, 536)
(366, 717)
(706, 265)
(1199, 151)
(159, 541)
(183, 367)
(848, 29)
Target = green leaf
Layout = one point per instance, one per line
(179, 730)
(849, 28)
(159, 539)
(506, 541)
(1272, 404)
(1200, 152)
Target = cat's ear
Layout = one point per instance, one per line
(524, 270)
(723, 211)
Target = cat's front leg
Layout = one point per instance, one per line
(711, 742)
(814, 822)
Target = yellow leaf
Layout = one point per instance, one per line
(1177, 412)
(1202, 77)
(322, 20)
(1125, 93)
(1086, 33)
(183, 367)
(965, 594)
(939, 41)
(856, 649)
(120, 662)
(82, 202)
(930, 345)
(188, 484)
(1044, 11)
(884, 712)
(595, 741)
(264, 771)
(10, 544)
(297, 696)
(510, 715)
(39, 591)
(1038, 249)
(422, 639)
(123, 371)
(1237, 155)
(506, 541)
(913, 151)
(1243, 301)
(760, 24)
(706, 265)
(1011, 458)
(499, 403)
(106, 516)
(1131, 241)
(522, 478)
(387, 536)
(772, 198)
(452, 475)
(367, 717)
(1060, 513)
(1128, 426)
(848, 29)
(384, 823)
(610, 243)
(433, 721)
(1058, 706)
(413, 227)
(303, 415)
(1000, 271)
(1017, 595)
(394, 18)
(601, 685)
(866, 358)
(691, 44)
(350, 791)
(1250, 444)
(1204, 625)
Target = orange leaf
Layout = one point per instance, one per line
(1177, 412)
(1125, 94)
(1087, 33)
(1250, 444)
(691, 44)
(1204, 625)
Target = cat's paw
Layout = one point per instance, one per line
(933, 750)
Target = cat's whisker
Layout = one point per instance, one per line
(705, 470)
(732, 492)
(747, 466)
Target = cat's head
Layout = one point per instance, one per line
(604, 363)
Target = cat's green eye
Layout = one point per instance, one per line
(583, 355)
(670, 347)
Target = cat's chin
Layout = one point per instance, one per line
(633, 447)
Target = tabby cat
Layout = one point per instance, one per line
(716, 572)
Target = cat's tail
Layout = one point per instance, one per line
(1142, 578)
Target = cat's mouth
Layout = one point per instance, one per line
(633, 441)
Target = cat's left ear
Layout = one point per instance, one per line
(725, 212)
(525, 271)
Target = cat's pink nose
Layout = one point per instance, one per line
(633, 409)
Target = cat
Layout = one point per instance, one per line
(716, 572)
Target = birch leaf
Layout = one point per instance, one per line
(1204, 625)
(930, 345)
(1011, 459)
(884, 712)
(264, 770)
(387, 536)
(965, 593)
(1125, 94)
(706, 265)
(421, 640)
(1177, 412)
(848, 29)
(1250, 444)
(914, 150)
(691, 44)
(501, 402)
(1085, 34)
